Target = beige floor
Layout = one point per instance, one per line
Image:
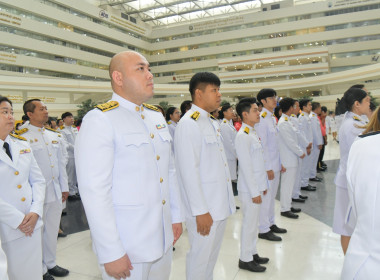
(308, 251)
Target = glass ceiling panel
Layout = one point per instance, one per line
(164, 12)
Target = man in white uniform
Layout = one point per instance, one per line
(48, 151)
(305, 128)
(127, 177)
(267, 131)
(228, 132)
(290, 154)
(306, 147)
(204, 177)
(69, 133)
(22, 194)
(252, 185)
(317, 140)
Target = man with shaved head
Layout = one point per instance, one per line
(127, 178)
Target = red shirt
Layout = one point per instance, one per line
(237, 125)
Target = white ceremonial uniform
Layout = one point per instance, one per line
(69, 133)
(303, 143)
(349, 130)
(205, 182)
(128, 186)
(333, 125)
(317, 140)
(363, 181)
(22, 191)
(48, 150)
(3, 264)
(338, 121)
(267, 131)
(228, 132)
(252, 182)
(171, 126)
(307, 131)
(290, 152)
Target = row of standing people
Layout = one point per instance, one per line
(35, 168)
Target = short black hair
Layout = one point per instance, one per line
(324, 109)
(201, 80)
(29, 106)
(265, 93)
(372, 106)
(286, 103)
(359, 86)
(225, 107)
(303, 102)
(50, 119)
(185, 106)
(5, 99)
(66, 114)
(315, 105)
(245, 105)
(169, 112)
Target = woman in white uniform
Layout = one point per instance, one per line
(354, 103)
(22, 194)
(362, 261)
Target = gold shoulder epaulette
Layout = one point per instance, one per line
(107, 106)
(264, 114)
(286, 118)
(169, 122)
(21, 131)
(302, 114)
(18, 137)
(211, 116)
(151, 107)
(195, 115)
(246, 129)
(61, 127)
(293, 115)
(48, 128)
(225, 121)
(356, 118)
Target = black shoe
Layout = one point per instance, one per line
(62, 234)
(58, 271)
(47, 276)
(276, 229)
(64, 213)
(74, 197)
(323, 164)
(251, 266)
(309, 189)
(321, 169)
(270, 236)
(304, 197)
(295, 210)
(316, 179)
(237, 207)
(298, 200)
(260, 260)
(289, 214)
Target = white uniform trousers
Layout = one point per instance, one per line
(314, 161)
(297, 183)
(156, 270)
(267, 216)
(249, 227)
(287, 182)
(72, 176)
(305, 170)
(24, 257)
(3, 265)
(204, 250)
(51, 218)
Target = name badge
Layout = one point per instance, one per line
(24, 151)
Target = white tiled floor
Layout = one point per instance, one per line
(308, 251)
